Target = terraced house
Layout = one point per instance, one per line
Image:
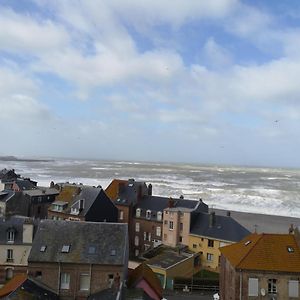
(261, 266)
(79, 259)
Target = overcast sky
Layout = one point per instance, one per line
(162, 80)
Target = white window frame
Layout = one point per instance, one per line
(209, 257)
(159, 216)
(65, 281)
(158, 231)
(121, 217)
(148, 214)
(137, 227)
(171, 225)
(136, 240)
(149, 237)
(272, 286)
(9, 254)
(138, 212)
(10, 236)
(85, 286)
(252, 286)
(293, 288)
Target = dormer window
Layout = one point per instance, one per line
(159, 216)
(148, 214)
(11, 235)
(65, 248)
(43, 248)
(138, 212)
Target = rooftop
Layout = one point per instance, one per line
(265, 252)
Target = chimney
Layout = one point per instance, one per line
(200, 200)
(171, 202)
(150, 189)
(52, 184)
(27, 231)
(228, 213)
(181, 197)
(291, 229)
(212, 219)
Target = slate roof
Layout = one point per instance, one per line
(90, 243)
(87, 193)
(158, 203)
(6, 174)
(223, 228)
(15, 223)
(265, 252)
(25, 184)
(5, 195)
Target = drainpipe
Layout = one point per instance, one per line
(241, 285)
(90, 277)
(58, 282)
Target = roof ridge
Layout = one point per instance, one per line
(250, 248)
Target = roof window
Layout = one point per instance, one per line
(247, 243)
(43, 248)
(92, 249)
(113, 252)
(290, 249)
(65, 248)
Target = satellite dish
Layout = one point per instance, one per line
(263, 292)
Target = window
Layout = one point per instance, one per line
(85, 282)
(180, 239)
(272, 287)
(194, 246)
(253, 287)
(110, 280)
(137, 252)
(38, 275)
(210, 243)
(166, 222)
(136, 240)
(138, 212)
(181, 226)
(43, 248)
(39, 210)
(121, 217)
(11, 235)
(290, 249)
(159, 216)
(149, 237)
(65, 249)
(113, 252)
(92, 250)
(9, 273)
(148, 214)
(64, 281)
(137, 227)
(171, 225)
(158, 231)
(293, 288)
(9, 255)
(145, 235)
(210, 257)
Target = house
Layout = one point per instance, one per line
(13, 203)
(39, 201)
(79, 259)
(6, 177)
(143, 212)
(21, 184)
(145, 279)
(209, 232)
(83, 203)
(23, 287)
(169, 263)
(261, 266)
(16, 235)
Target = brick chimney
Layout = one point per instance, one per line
(212, 219)
(150, 189)
(171, 202)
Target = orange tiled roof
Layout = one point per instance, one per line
(112, 191)
(265, 252)
(12, 285)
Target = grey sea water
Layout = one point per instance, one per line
(258, 190)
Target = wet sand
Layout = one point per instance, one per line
(262, 223)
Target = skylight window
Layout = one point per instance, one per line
(113, 252)
(43, 248)
(247, 243)
(66, 248)
(92, 249)
(290, 249)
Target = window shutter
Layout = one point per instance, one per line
(253, 287)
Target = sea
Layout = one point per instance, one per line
(273, 191)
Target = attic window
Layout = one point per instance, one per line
(66, 248)
(290, 249)
(113, 252)
(43, 248)
(92, 249)
(247, 243)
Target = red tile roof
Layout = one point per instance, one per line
(13, 284)
(265, 252)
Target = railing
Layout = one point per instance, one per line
(196, 287)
